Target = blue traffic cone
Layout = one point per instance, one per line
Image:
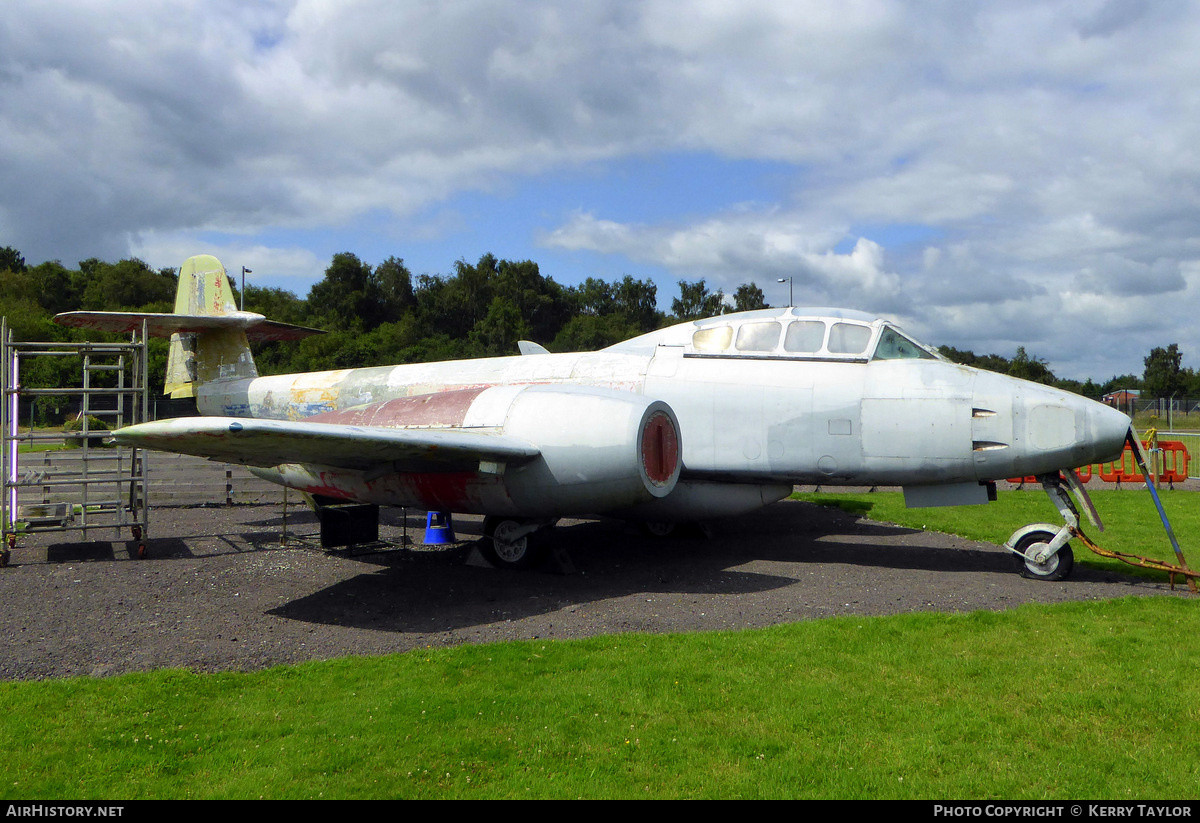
(438, 529)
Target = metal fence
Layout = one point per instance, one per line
(1188, 407)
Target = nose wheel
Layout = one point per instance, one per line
(1041, 550)
(1034, 560)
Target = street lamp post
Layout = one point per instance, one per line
(245, 271)
(791, 301)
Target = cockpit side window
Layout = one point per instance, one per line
(804, 337)
(895, 346)
(758, 337)
(714, 338)
(849, 338)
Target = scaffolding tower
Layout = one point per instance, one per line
(100, 484)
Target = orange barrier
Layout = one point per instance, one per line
(1084, 473)
(1175, 461)
(1121, 471)
(1174, 468)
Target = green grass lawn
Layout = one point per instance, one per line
(27, 446)
(1179, 421)
(43, 446)
(1075, 701)
(1085, 700)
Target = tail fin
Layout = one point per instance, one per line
(209, 336)
(200, 357)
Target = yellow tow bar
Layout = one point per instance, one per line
(1144, 562)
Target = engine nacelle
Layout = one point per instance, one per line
(600, 450)
(599, 447)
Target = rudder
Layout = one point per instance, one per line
(204, 291)
(203, 287)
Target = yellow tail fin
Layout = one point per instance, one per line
(220, 353)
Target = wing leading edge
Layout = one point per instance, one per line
(268, 443)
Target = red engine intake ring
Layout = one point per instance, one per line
(660, 448)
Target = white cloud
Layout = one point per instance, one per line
(741, 247)
(278, 264)
(1049, 148)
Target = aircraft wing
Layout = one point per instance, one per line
(268, 443)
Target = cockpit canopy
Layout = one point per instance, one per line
(806, 334)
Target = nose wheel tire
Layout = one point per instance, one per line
(506, 547)
(1057, 567)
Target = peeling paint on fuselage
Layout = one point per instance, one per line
(445, 409)
(299, 396)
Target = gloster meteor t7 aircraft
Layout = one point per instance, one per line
(703, 419)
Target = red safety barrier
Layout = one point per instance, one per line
(1123, 470)
(1175, 461)
(1084, 473)
(1174, 467)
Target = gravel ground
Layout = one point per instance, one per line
(220, 592)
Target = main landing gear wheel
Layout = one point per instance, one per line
(507, 544)
(1057, 567)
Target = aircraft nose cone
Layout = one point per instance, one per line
(1108, 428)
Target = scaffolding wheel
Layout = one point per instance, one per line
(12, 541)
(141, 551)
(4, 556)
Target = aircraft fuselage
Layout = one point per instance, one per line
(769, 418)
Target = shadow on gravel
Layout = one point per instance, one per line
(424, 591)
(79, 552)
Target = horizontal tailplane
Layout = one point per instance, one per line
(209, 336)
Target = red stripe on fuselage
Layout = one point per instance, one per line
(447, 408)
(443, 491)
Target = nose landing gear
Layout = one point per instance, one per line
(1042, 550)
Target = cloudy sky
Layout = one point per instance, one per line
(989, 174)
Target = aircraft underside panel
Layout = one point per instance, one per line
(702, 500)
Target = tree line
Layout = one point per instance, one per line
(373, 315)
(380, 315)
